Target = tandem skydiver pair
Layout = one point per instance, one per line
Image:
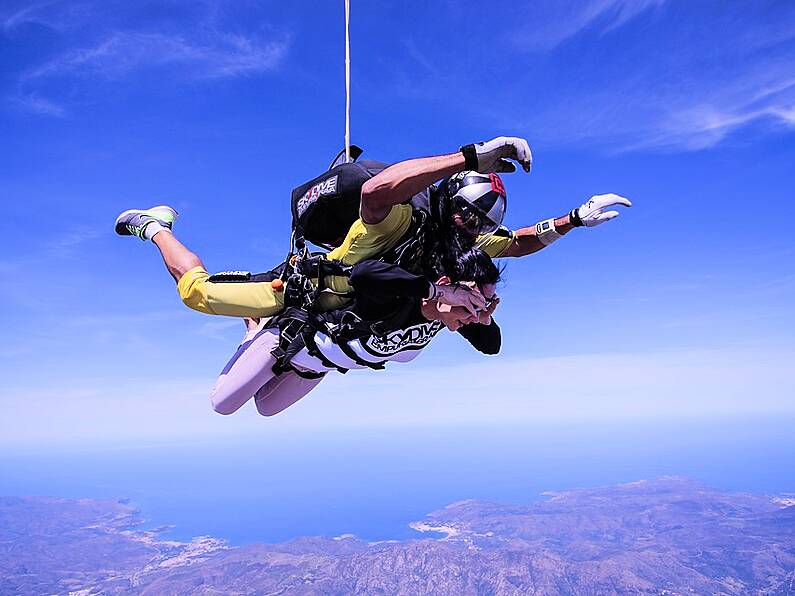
(408, 256)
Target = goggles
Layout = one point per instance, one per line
(474, 220)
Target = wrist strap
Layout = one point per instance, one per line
(546, 232)
(574, 216)
(470, 157)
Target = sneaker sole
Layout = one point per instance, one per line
(124, 232)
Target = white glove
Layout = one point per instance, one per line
(592, 212)
(494, 155)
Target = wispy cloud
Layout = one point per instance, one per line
(624, 75)
(550, 23)
(127, 319)
(599, 389)
(67, 245)
(55, 249)
(33, 102)
(595, 387)
(694, 80)
(54, 14)
(214, 55)
(97, 41)
(755, 96)
(222, 329)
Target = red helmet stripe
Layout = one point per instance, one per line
(497, 185)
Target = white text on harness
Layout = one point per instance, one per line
(416, 336)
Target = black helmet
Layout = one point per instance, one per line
(478, 198)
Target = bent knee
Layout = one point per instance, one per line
(220, 407)
(224, 404)
(265, 410)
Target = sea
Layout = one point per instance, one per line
(373, 482)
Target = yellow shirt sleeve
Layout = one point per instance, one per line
(366, 241)
(497, 243)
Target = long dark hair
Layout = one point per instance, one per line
(446, 243)
(475, 265)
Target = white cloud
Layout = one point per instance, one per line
(636, 75)
(216, 55)
(757, 95)
(127, 319)
(222, 329)
(552, 22)
(55, 15)
(704, 88)
(494, 392)
(596, 387)
(36, 104)
(67, 245)
(97, 43)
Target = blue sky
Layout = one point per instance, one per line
(680, 308)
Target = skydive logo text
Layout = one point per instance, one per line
(326, 187)
(416, 336)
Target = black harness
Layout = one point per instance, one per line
(304, 276)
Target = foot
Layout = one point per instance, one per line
(143, 223)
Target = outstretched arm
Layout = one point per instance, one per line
(529, 240)
(401, 181)
(591, 213)
(398, 183)
(486, 339)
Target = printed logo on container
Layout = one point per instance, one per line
(320, 189)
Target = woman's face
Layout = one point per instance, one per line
(455, 317)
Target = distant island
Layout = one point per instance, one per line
(667, 536)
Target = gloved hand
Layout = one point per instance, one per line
(592, 212)
(494, 155)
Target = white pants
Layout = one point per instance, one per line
(250, 374)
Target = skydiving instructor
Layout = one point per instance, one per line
(471, 215)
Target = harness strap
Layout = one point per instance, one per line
(290, 324)
(296, 328)
(348, 351)
(312, 349)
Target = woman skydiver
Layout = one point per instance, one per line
(394, 315)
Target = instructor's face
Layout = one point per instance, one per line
(468, 225)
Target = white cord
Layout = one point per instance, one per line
(347, 81)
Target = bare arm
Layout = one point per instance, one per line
(526, 242)
(398, 183)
